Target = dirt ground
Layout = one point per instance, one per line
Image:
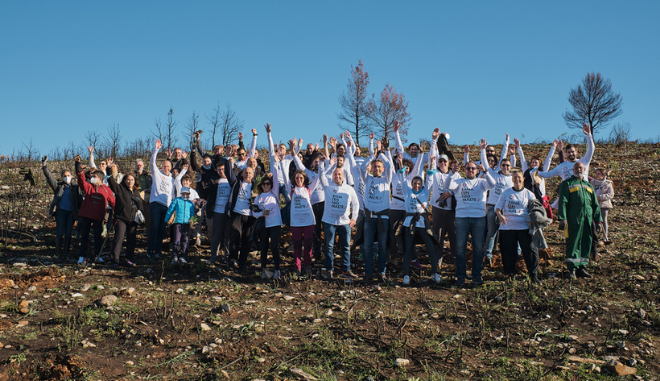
(201, 322)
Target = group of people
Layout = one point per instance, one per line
(333, 196)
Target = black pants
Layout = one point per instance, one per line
(241, 226)
(219, 234)
(410, 243)
(509, 241)
(272, 235)
(318, 209)
(86, 225)
(128, 230)
(444, 223)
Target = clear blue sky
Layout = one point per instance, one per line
(472, 68)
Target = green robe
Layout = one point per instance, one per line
(578, 206)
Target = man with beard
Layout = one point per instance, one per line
(565, 169)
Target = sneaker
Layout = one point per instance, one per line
(436, 278)
(415, 263)
(129, 263)
(571, 274)
(477, 282)
(175, 260)
(82, 260)
(582, 273)
(154, 257)
(328, 274)
(382, 277)
(406, 280)
(307, 271)
(460, 282)
(276, 274)
(183, 261)
(115, 266)
(488, 262)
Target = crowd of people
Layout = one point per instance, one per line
(335, 200)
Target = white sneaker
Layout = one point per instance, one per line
(175, 260)
(276, 274)
(198, 240)
(436, 278)
(182, 261)
(406, 280)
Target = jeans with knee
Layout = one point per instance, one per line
(491, 235)
(464, 227)
(157, 232)
(344, 232)
(371, 232)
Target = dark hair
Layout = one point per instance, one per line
(304, 175)
(98, 173)
(408, 163)
(137, 182)
(207, 155)
(491, 156)
(267, 178)
(568, 146)
(187, 177)
(413, 144)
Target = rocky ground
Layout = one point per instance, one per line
(157, 321)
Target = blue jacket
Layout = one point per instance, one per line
(184, 209)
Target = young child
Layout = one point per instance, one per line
(604, 194)
(185, 210)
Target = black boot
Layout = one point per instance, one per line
(582, 273)
(67, 247)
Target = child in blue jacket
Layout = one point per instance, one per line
(184, 210)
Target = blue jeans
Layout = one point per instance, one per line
(371, 233)
(157, 231)
(64, 223)
(476, 227)
(491, 235)
(344, 232)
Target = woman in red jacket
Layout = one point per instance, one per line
(92, 210)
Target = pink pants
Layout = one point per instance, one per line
(300, 234)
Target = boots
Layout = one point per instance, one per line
(67, 246)
(58, 248)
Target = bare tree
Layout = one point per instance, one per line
(31, 152)
(354, 103)
(230, 125)
(593, 102)
(215, 121)
(113, 140)
(170, 128)
(192, 125)
(93, 138)
(158, 132)
(390, 107)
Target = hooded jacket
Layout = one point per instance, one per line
(127, 202)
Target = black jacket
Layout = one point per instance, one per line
(75, 193)
(209, 177)
(127, 203)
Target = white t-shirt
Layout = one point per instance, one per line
(471, 195)
(243, 199)
(502, 183)
(269, 201)
(222, 196)
(513, 205)
(301, 208)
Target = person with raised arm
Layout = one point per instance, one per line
(318, 195)
(414, 151)
(67, 198)
(376, 200)
(530, 167)
(398, 204)
(442, 199)
(128, 205)
(92, 210)
(216, 205)
(267, 206)
(242, 155)
(162, 193)
(492, 160)
(511, 210)
(565, 169)
(502, 182)
(208, 177)
(339, 216)
(241, 219)
(470, 195)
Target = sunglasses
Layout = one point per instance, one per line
(471, 168)
(271, 184)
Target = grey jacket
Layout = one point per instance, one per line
(58, 188)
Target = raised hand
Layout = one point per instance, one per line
(333, 142)
(586, 128)
(483, 143)
(158, 144)
(371, 135)
(169, 153)
(109, 161)
(516, 141)
(481, 168)
(184, 154)
(386, 142)
(295, 142)
(555, 143)
(43, 160)
(316, 146)
(466, 149)
(240, 136)
(512, 150)
(396, 126)
(560, 145)
(347, 134)
(300, 143)
(333, 160)
(507, 137)
(254, 131)
(90, 149)
(115, 168)
(379, 145)
(435, 134)
(268, 129)
(325, 139)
